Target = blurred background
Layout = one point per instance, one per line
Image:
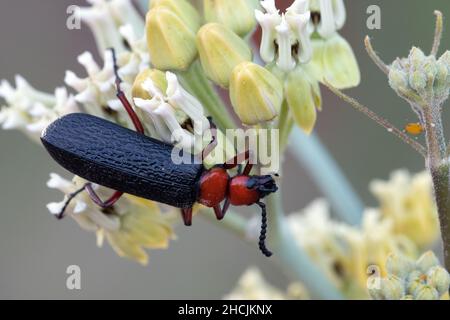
(205, 261)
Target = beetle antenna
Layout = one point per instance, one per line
(123, 99)
(262, 236)
(70, 197)
(118, 80)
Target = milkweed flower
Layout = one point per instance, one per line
(129, 227)
(408, 201)
(333, 58)
(285, 39)
(30, 110)
(253, 286)
(104, 18)
(168, 105)
(286, 49)
(344, 252)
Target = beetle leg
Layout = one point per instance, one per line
(70, 197)
(139, 128)
(96, 199)
(234, 163)
(213, 144)
(225, 207)
(219, 212)
(186, 213)
(121, 96)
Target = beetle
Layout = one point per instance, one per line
(128, 161)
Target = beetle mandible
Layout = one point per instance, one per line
(107, 154)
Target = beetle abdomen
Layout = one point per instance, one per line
(121, 159)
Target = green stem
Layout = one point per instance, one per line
(440, 176)
(292, 257)
(439, 169)
(285, 125)
(195, 81)
(310, 152)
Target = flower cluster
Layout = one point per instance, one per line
(30, 110)
(253, 286)
(133, 225)
(130, 226)
(374, 260)
(422, 80)
(408, 201)
(405, 222)
(345, 252)
(298, 48)
(407, 279)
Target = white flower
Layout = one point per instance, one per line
(130, 226)
(31, 110)
(97, 90)
(253, 286)
(408, 200)
(163, 108)
(138, 58)
(288, 33)
(345, 252)
(104, 17)
(328, 16)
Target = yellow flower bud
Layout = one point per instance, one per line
(221, 50)
(238, 15)
(170, 39)
(256, 94)
(334, 61)
(181, 8)
(303, 97)
(158, 78)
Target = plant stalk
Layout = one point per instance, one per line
(324, 170)
(292, 257)
(438, 165)
(195, 81)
